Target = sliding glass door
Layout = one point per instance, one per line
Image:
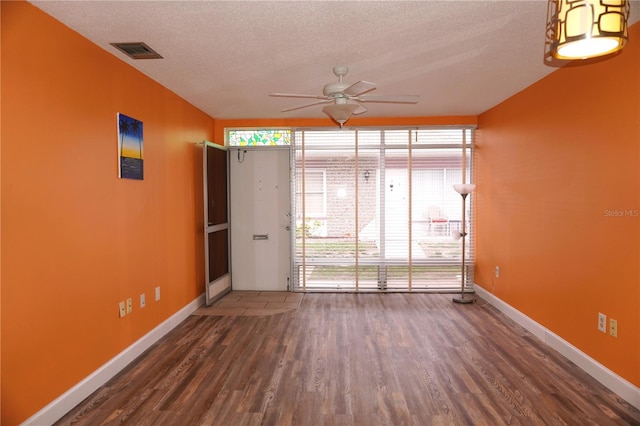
(375, 209)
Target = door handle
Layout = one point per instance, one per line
(288, 228)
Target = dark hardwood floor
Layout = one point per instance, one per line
(354, 359)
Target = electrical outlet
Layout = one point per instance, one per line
(602, 322)
(497, 272)
(157, 293)
(129, 305)
(613, 327)
(143, 301)
(123, 311)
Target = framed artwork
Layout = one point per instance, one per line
(130, 148)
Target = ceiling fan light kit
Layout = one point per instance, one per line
(340, 112)
(583, 29)
(346, 99)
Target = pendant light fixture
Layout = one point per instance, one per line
(583, 29)
(340, 111)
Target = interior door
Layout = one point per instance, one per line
(216, 223)
(260, 208)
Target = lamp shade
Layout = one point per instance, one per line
(340, 112)
(464, 188)
(582, 29)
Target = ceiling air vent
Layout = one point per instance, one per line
(137, 50)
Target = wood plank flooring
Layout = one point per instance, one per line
(354, 359)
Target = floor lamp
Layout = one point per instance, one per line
(463, 189)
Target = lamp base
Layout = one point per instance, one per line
(464, 300)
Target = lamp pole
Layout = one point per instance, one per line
(463, 234)
(464, 189)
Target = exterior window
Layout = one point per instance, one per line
(315, 202)
(258, 137)
(379, 209)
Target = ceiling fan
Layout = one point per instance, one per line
(345, 98)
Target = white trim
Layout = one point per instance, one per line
(74, 396)
(623, 388)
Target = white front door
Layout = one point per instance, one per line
(260, 219)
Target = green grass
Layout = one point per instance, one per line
(370, 272)
(346, 248)
(340, 248)
(441, 249)
(336, 248)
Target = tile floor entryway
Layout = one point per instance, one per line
(253, 303)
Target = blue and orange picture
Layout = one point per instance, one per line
(130, 159)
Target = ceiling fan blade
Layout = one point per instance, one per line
(296, 95)
(397, 99)
(359, 88)
(361, 110)
(307, 105)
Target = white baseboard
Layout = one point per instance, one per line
(68, 400)
(623, 388)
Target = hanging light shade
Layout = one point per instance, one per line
(582, 29)
(340, 112)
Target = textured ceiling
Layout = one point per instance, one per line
(225, 57)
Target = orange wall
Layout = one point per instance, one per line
(552, 165)
(76, 240)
